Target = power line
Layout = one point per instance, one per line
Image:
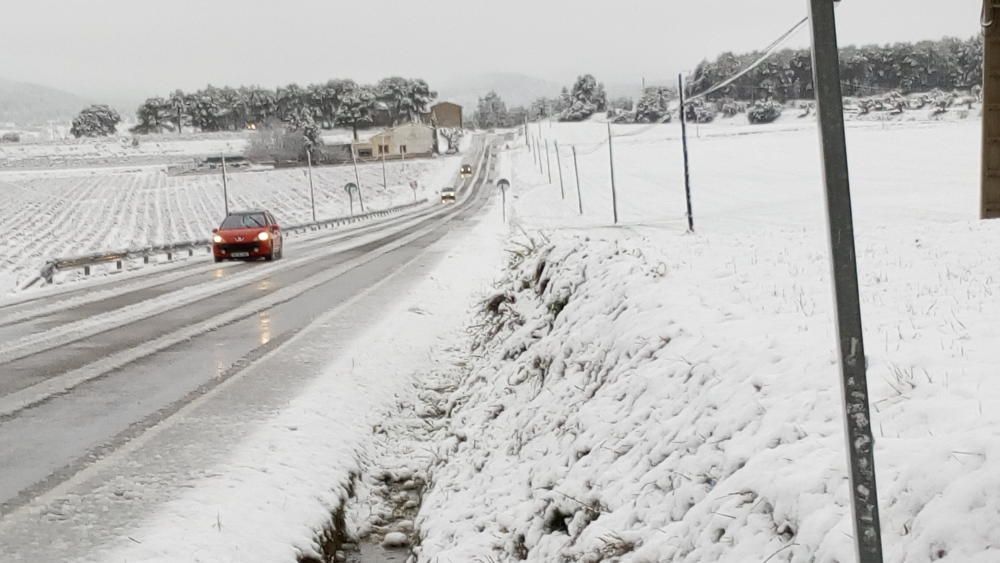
(770, 50)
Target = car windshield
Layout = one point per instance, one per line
(245, 221)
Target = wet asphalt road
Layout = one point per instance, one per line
(57, 434)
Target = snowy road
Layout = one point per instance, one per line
(84, 373)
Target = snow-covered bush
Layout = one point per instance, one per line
(764, 112)
(699, 112)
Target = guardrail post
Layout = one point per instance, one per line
(145, 259)
(190, 252)
(170, 257)
(86, 270)
(118, 265)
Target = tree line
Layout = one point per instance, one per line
(339, 102)
(946, 64)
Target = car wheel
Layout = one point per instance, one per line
(217, 259)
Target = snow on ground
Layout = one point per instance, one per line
(636, 393)
(270, 500)
(60, 213)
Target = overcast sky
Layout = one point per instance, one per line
(135, 48)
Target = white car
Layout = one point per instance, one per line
(448, 195)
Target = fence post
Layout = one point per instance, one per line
(548, 160)
(576, 170)
(611, 162)
(854, 381)
(562, 190)
(538, 155)
(684, 144)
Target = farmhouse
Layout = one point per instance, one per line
(446, 114)
(416, 139)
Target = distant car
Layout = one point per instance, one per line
(466, 170)
(248, 235)
(448, 195)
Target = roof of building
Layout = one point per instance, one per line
(446, 103)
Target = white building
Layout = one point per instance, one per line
(414, 139)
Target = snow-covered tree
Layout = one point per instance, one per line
(96, 121)
(491, 111)
(654, 105)
(153, 116)
(585, 99)
(356, 108)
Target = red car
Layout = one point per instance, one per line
(248, 235)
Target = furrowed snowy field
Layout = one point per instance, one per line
(635, 393)
(60, 213)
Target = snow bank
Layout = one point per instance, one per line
(639, 394)
(666, 406)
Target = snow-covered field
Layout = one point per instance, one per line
(641, 394)
(57, 213)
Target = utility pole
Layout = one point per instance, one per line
(990, 198)
(225, 185)
(684, 143)
(576, 170)
(357, 178)
(312, 193)
(854, 382)
(385, 181)
(562, 189)
(611, 161)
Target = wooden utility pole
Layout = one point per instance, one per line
(990, 198)
(860, 443)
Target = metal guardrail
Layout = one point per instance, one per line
(49, 269)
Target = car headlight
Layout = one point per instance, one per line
(216, 239)
(263, 236)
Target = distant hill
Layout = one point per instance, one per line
(30, 104)
(515, 89)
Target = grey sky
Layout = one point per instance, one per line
(138, 48)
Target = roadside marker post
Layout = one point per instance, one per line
(854, 382)
(503, 184)
(413, 186)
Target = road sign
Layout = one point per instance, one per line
(503, 184)
(351, 187)
(413, 184)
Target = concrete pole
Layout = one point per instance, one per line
(854, 382)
